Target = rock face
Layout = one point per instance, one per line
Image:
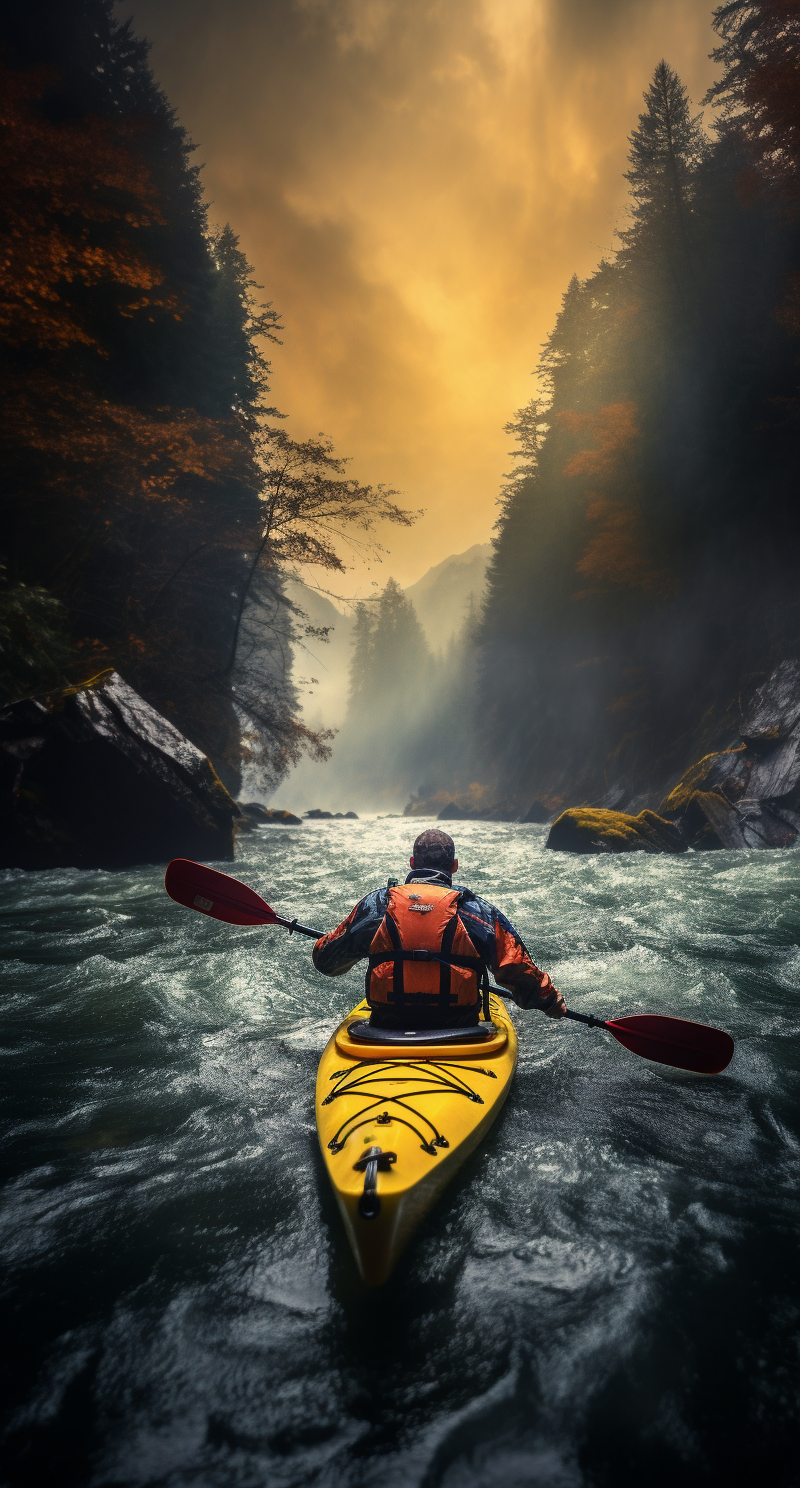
(775, 708)
(537, 813)
(99, 779)
(453, 812)
(747, 797)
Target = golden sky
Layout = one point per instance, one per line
(415, 181)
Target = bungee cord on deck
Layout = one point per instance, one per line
(441, 1077)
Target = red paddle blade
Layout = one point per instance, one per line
(216, 894)
(675, 1041)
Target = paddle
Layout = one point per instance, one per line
(223, 898)
(673, 1041)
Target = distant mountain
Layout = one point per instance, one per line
(441, 597)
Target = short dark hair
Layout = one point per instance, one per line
(434, 849)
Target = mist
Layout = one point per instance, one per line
(393, 680)
(643, 577)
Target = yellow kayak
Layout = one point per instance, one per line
(397, 1120)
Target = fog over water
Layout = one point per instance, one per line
(606, 1296)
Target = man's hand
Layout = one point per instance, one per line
(557, 1008)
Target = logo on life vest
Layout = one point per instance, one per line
(420, 908)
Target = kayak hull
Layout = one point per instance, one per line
(419, 1113)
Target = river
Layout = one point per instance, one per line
(607, 1296)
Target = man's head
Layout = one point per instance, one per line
(434, 849)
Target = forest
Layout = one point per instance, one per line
(153, 498)
(645, 565)
(644, 573)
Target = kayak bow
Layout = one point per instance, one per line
(396, 1122)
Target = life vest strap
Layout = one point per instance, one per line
(382, 957)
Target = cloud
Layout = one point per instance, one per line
(415, 181)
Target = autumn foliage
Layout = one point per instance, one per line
(151, 494)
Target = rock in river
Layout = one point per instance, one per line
(747, 797)
(263, 816)
(582, 829)
(99, 779)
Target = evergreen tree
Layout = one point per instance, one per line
(759, 91)
(239, 324)
(666, 149)
(399, 655)
(146, 489)
(361, 659)
(656, 499)
(385, 741)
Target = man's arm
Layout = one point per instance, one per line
(341, 948)
(513, 968)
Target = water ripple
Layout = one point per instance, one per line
(606, 1296)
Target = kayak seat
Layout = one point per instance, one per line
(365, 1032)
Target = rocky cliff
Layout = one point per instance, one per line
(96, 778)
(745, 797)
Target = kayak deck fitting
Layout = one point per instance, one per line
(396, 1122)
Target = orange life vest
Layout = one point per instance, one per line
(421, 954)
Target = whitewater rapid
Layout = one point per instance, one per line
(606, 1296)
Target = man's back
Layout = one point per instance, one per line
(427, 943)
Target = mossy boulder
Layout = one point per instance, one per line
(584, 829)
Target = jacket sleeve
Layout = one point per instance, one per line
(341, 948)
(513, 968)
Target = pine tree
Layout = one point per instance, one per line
(759, 91)
(239, 323)
(400, 654)
(666, 150)
(361, 659)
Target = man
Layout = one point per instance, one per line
(428, 945)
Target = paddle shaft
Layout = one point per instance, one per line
(292, 925)
(578, 1017)
(586, 1018)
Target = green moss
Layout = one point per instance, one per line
(583, 829)
(711, 770)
